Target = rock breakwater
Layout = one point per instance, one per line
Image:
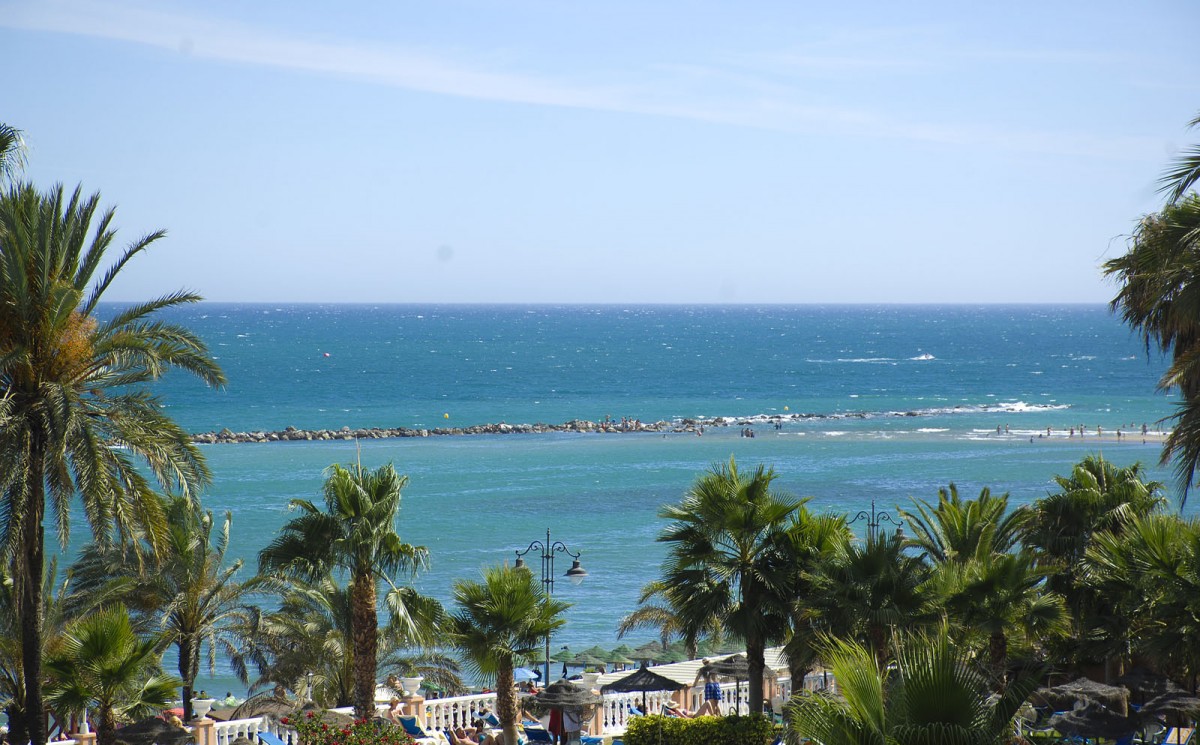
(607, 426)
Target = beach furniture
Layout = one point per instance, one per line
(420, 734)
(1179, 736)
(266, 738)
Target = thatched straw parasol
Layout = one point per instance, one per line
(644, 680)
(1095, 720)
(1065, 696)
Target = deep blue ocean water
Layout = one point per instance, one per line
(964, 371)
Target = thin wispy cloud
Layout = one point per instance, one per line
(766, 94)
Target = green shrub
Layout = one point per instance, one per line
(732, 730)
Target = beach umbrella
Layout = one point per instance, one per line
(644, 680)
(1095, 720)
(1065, 696)
(589, 660)
(154, 730)
(563, 655)
(1146, 682)
(562, 694)
(624, 650)
(524, 675)
(597, 651)
(1176, 702)
(325, 716)
(619, 659)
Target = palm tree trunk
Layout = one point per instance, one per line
(998, 657)
(878, 640)
(187, 674)
(106, 733)
(755, 651)
(32, 576)
(364, 626)
(506, 701)
(17, 729)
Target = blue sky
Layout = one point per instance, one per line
(529, 150)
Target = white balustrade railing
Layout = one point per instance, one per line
(227, 732)
(459, 711)
(617, 708)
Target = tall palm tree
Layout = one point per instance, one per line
(999, 595)
(499, 621)
(933, 694)
(356, 534)
(958, 530)
(1159, 297)
(106, 666)
(71, 391)
(869, 590)
(192, 593)
(728, 558)
(1184, 173)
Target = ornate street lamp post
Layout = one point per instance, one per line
(576, 574)
(874, 518)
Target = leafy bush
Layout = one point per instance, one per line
(732, 730)
(313, 731)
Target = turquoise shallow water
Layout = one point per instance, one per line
(474, 500)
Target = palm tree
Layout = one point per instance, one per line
(63, 601)
(104, 665)
(1097, 497)
(998, 595)
(958, 529)
(866, 591)
(1159, 297)
(12, 151)
(312, 632)
(933, 694)
(1184, 172)
(815, 540)
(499, 621)
(356, 534)
(70, 388)
(192, 592)
(728, 559)
(1152, 572)
(655, 611)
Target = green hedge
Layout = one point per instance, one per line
(733, 730)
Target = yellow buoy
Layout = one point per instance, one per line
(447, 416)
(785, 408)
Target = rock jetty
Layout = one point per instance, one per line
(614, 426)
(381, 433)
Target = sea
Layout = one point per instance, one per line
(854, 407)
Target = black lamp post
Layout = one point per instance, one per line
(576, 574)
(874, 518)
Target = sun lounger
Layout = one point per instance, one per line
(420, 734)
(1179, 736)
(266, 738)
